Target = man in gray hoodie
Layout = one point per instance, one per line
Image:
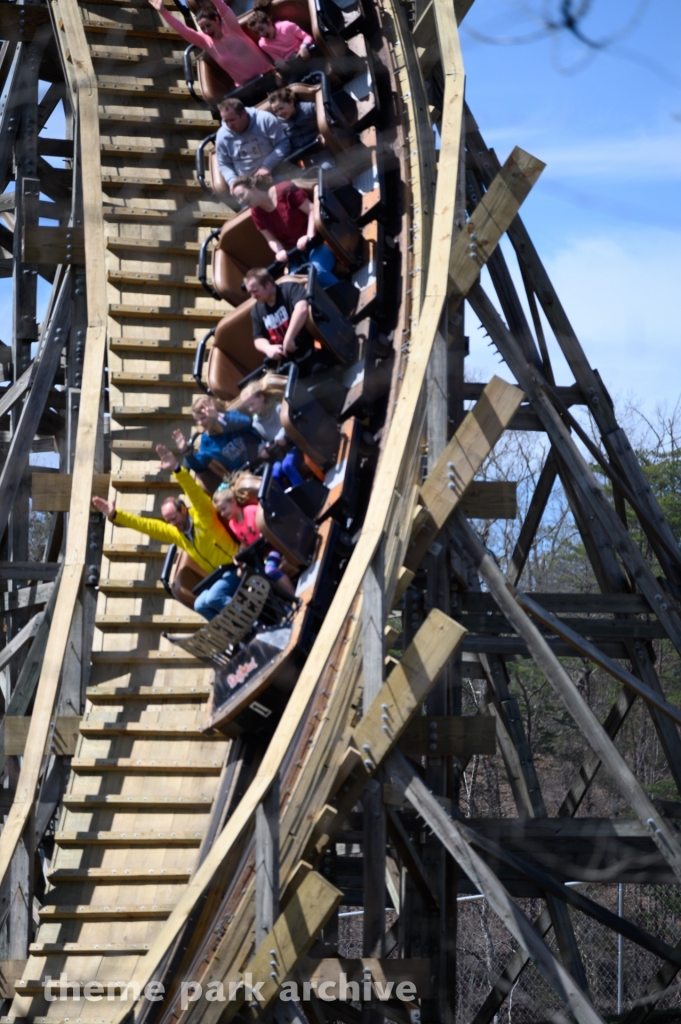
(249, 141)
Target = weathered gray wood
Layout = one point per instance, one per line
(29, 570)
(453, 838)
(592, 730)
(587, 906)
(592, 653)
(28, 678)
(267, 864)
(27, 426)
(15, 392)
(21, 902)
(411, 860)
(584, 480)
(374, 843)
(22, 637)
(528, 530)
(527, 793)
(598, 604)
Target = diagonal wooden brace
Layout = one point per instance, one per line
(446, 485)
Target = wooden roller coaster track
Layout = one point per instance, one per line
(183, 857)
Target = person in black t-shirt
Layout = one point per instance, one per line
(278, 319)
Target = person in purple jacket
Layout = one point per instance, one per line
(228, 442)
(223, 38)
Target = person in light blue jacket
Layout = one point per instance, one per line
(249, 141)
(228, 442)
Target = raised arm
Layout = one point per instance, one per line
(190, 34)
(229, 18)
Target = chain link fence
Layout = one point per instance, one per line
(618, 971)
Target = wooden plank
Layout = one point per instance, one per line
(43, 244)
(76, 553)
(414, 969)
(25, 634)
(51, 492)
(585, 482)
(454, 471)
(490, 499)
(64, 739)
(624, 779)
(591, 652)
(455, 841)
(19, 24)
(291, 937)
(475, 244)
(10, 972)
(27, 426)
(458, 736)
(406, 687)
(535, 512)
(29, 570)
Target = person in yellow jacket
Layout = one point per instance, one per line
(198, 531)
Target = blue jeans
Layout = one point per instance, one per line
(213, 600)
(322, 259)
(288, 467)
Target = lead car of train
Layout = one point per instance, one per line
(337, 418)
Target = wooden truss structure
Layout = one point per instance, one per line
(226, 870)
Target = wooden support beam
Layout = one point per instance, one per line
(63, 743)
(27, 425)
(267, 863)
(51, 492)
(17, 642)
(591, 653)
(449, 735)
(455, 841)
(373, 857)
(535, 512)
(29, 571)
(10, 972)
(474, 246)
(293, 934)
(15, 392)
(454, 471)
(407, 686)
(585, 481)
(490, 499)
(416, 970)
(43, 244)
(624, 779)
(20, 24)
(411, 860)
(614, 922)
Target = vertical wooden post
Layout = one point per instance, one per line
(373, 848)
(267, 863)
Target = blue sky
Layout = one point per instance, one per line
(606, 213)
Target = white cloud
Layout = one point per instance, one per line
(621, 295)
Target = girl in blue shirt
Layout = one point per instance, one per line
(228, 442)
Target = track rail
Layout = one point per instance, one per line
(138, 864)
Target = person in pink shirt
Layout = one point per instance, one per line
(240, 520)
(281, 40)
(223, 38)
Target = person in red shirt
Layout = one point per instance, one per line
(240, 520)
(223, 38)
(284, 216)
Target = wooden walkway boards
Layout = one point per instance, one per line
(143, 776)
